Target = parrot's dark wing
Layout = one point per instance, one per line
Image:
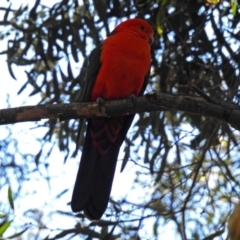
(93, 67)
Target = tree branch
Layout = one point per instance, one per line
(148, 103)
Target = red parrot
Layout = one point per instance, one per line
(117, 68)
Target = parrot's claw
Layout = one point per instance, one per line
(132, 97)
(100, 102)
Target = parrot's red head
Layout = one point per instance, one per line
(138, 26)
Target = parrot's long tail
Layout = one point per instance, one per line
(95, 175)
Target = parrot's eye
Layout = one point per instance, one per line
(142, 27)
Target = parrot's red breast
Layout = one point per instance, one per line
(117, 68)
(125, 59)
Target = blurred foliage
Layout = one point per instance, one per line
(187, 165)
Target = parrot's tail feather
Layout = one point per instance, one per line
(85, 177)
(97, 167)
(104, 175)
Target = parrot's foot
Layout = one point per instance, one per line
(132, 97)
(100, 102)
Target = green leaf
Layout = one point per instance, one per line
(10, 198)
(160, 17)
(155, 229)
(4, 227)
(234, 7)
(3, 215)
(212, 2)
